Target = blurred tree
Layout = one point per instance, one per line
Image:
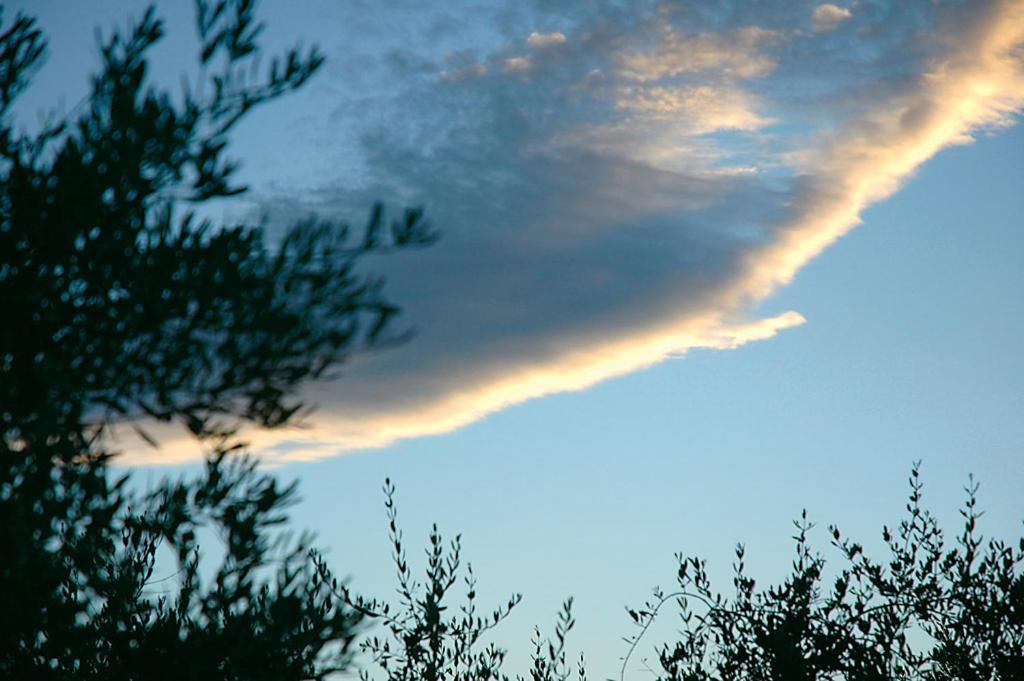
(930, 611)
(119, 303)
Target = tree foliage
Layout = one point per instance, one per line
(426, 639)
(932, 610)
(119, 302)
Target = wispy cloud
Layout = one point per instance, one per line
(737, 52)
(636, 186)
(827, 17)
(542, 40)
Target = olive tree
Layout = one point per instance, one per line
(120, 303)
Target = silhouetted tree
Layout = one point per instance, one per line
(930, 611)
(426, 639)
(119, 303)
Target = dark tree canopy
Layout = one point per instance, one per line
(119, 303)
(932, 610)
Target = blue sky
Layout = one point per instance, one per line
(700, 269)
(910, 352)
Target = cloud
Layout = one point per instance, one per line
(542, 40)
(738, 52)
(517, 64)
(635, 195)
(827, 17)
(701, 108)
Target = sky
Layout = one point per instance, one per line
(702, 265)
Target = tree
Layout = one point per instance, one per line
(428, 640)
(929, 611)
(118, 303)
